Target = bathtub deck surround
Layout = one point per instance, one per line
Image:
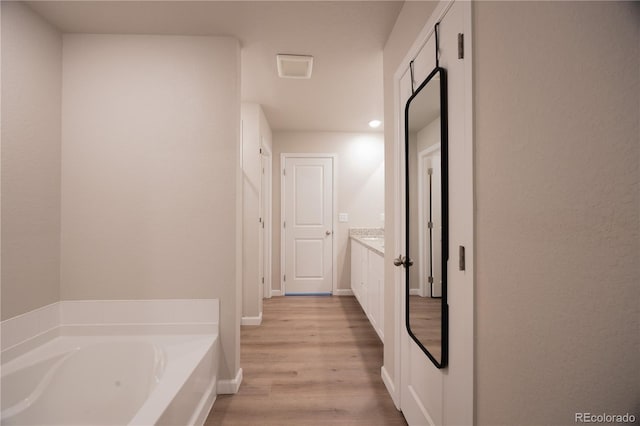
(49, 351)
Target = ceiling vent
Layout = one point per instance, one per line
(294, 66)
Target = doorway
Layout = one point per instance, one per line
(308, 241)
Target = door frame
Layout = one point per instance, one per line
(466, 390)
(266, 204)
(422, 155)
(334, 216)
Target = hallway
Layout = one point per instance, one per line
(313, 361)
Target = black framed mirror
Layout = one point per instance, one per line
(427, 228)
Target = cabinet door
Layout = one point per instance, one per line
(364, 276)
(356, 268)
(376, 288)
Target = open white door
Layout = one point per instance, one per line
(429, 395)
(307, 224)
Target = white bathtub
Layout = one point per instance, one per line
(112, 380)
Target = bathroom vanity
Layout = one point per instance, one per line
(367, 274)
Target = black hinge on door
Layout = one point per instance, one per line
(460, 46)
(285, 277)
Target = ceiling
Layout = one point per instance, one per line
(346, 39)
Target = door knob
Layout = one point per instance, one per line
(327, 232)
(402, 261)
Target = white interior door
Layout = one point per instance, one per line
(428, 395)
(308, 225)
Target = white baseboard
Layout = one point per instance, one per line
(343, 292)
(414, 292)
(226, 387)
(252, 320)
(391, 388)
(276, 292)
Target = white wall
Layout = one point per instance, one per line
(558, 210)
(150, 154)
(360, 187)
(411, 20)
(31, 96)
(255, 129)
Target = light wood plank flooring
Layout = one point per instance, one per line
(313, 361)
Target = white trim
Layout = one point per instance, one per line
(268, 222)
(343, 292)
(231, 386)
(334, 215)
(415, 292)
(386, 379)
(252, 320)
(276, 293)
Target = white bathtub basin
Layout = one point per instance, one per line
(111, 380)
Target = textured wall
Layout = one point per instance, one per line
(31, 97)
(150, 146)
(558, 202)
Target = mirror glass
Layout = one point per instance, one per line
(426, 225)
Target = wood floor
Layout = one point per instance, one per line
(313, 361)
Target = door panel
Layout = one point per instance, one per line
(308, 225)
(308, 200)
(428, 395)
(308, 255)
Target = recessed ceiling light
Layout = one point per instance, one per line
(374, 124)
(294, 66)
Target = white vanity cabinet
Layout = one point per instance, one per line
(367, 282)
(359, 271)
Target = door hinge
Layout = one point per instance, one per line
(430, 280)
(262, 280)
(260, 150)
(429, 171)
(460, 46)
(262, 225)
(260, 219)
(461, 261)
(284, 172)
(284, 224)
(430, 225)
(284, 277)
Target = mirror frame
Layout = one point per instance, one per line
(444, 149)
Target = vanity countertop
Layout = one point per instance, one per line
(371, 238)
